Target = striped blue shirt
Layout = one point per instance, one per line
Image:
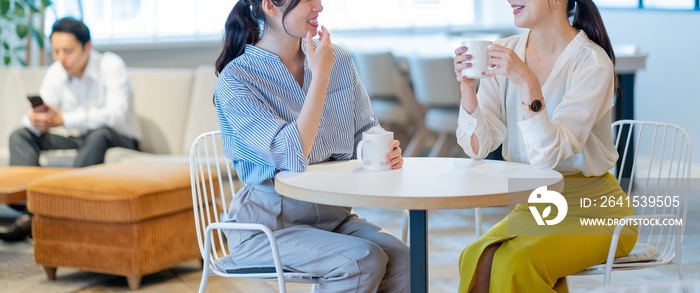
(258, 101)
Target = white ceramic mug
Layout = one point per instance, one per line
(480, 58)
(373, 149)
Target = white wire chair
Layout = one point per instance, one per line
(212, 177)
(654, 163)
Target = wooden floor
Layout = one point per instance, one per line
(449, 232)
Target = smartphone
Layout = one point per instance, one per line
(36, 101)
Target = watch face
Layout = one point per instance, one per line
(536, 106)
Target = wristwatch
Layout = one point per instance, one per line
(534, 106)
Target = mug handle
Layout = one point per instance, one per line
(359, 151)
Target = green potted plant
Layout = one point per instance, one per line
(21, 25)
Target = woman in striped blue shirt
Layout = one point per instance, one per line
(285, 101)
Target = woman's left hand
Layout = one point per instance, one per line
(508, 64)
(394, 156)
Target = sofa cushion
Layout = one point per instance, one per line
(201, 115)
(15, 84)
(174, 105)
(161, 100)
(112, 193)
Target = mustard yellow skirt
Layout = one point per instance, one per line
(534, 258)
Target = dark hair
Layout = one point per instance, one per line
(243, 27)
(587, 18)
(72, 26)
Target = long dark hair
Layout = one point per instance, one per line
(243, 27)
(587, 18)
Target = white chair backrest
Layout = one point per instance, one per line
(212, 176)
(654, 171)
(376, 70)
(434, 81)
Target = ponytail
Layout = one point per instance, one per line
(243, 28)
(587, 18)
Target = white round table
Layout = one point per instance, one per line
(422, 184)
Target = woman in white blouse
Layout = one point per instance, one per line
(548, 102)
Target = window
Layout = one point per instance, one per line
(120, 20)
(144, 21)
(651, 4)
(387, 14)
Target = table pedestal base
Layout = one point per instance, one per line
(418, 228)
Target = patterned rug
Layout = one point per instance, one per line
(19, 273)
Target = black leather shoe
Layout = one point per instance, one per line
(19, 230)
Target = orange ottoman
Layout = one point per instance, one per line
(121, 219)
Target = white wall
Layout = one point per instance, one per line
(668, 89)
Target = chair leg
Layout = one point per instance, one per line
(314, 287)
(50, 273)
(404, 229)
(134, 282)
(437, 148)
(206, 271)
(477, 222)
(679, 259)
(413, 147)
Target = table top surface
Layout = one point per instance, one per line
(422, 184)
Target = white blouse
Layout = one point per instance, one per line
(571, 134)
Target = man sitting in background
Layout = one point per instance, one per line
(85, 92)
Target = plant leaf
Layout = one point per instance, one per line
(21, 61)
(22, 30)
(32, 5)
(4, 7)
(19, 10)
(37, 37)
(6, 45)
(7, 60)
(46, 3)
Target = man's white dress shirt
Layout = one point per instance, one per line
(102, 97)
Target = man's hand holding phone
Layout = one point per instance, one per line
(43, 117)
(37, 103)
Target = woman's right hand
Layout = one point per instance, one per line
(321, 58)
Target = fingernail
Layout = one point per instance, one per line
(469, 65)
(483, 73)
